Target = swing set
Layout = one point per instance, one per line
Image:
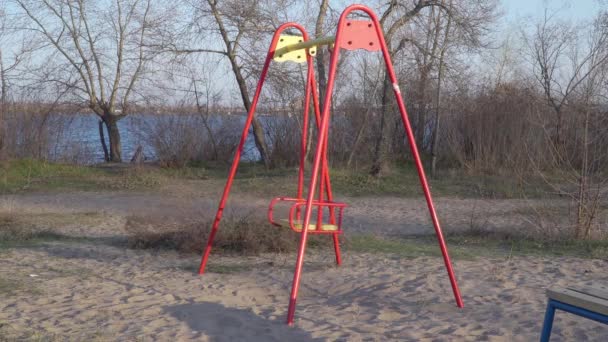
(350, 35)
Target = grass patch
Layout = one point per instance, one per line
(402, 180)
(503, 244)
(472, 244)
(26, 174)
(253, 178)
(34, 175)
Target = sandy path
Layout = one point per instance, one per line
(83, 292)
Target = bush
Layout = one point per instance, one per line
(246, 236)
(13, 230)
(178, 140)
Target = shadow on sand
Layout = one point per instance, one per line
(220, 323)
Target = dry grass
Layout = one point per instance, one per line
(245, 235)
(17, 228)
(13, 229)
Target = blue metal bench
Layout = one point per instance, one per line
(589, 302)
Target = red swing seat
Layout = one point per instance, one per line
(334, 226)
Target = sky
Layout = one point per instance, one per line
(568, 9)
(515, 13)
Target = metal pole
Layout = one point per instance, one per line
(325, 171)
(244, 134)
(319, 155)
(309, 79)
(414, 150)
(313, 181)
(548, 322)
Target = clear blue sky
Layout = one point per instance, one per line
(568, 9)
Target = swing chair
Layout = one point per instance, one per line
(350, 35)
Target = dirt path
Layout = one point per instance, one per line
(378, 215)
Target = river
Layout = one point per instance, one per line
(77, 136)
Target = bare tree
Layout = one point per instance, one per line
(3, 87)
(3, 105)
(101, 48)
(547, 47)
(440, 73)
(207, 99)
(234, 22)
(572, 72)
(17, 55)
(391, 30)
(471, 18)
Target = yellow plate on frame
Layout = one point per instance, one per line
(298, 56)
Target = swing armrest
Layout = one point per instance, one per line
(299, 202)
(273, 203)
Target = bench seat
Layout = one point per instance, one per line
(593, 298)
(586, 301)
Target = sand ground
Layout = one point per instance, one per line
(96, 289)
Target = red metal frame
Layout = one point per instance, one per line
(311, 89)
(350, 35)
(341, 40)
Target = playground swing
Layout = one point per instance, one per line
(350, 35)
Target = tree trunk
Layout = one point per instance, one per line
(204, 113)
(321, 73)
(114, 136)
(3, 101)
(583, 199)
(419, 131)
(104, 146)
(367, 102)
(378, 161)
(138, 156)
(435, 138)
(358, 138)
(258, 130)
(311, 127)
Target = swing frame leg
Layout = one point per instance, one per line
(323, 131)
(245, 133)
(337, 249)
